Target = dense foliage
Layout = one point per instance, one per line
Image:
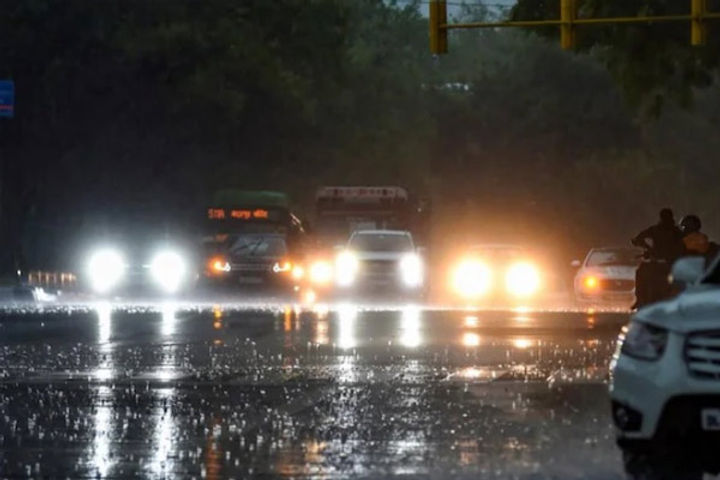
(128, 106)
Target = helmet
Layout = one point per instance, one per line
(690, 224)
(666, 216)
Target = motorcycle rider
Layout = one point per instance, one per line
(663, 244)
(695, 241)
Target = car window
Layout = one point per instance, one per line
(378, 242)
(258, 246)
(620, 257)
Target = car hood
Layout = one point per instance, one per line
(696, 309)
(381, 256)
(622, 272)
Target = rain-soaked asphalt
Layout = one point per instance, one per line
(180, 392)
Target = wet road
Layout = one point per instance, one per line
(169, 391)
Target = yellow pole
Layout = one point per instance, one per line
(568, 14)
(698, 28)
(438, 31)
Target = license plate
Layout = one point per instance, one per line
(711, 419)
(250, 280)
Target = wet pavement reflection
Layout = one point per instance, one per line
(169, 391)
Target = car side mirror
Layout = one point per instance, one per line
(576, 264)
(688, 270)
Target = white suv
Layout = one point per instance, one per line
(665, 377)
(380, 259)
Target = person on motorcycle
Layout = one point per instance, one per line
(695, 241)
(663, 244)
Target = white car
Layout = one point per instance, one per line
(379, 260)
(665, 375)
(607, 275)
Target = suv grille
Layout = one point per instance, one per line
(702, 354)
(379, 267)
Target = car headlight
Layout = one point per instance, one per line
(321, 272)
(105, 270)
(522, 280)
(346, 268)
(411, 270)
(281, 267)
(590, 282)
(168, 270)
(643, 341)
(298, 272)
(218, 265)
(472, 278)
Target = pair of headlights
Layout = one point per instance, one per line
(410, 269)
(107, 268)
(643, 341)
(474, 278)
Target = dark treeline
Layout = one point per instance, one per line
(133, 108)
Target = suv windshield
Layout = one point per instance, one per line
(379, 242)
(620, 257)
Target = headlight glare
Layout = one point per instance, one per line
(643, 341)
(472, 278)
(105, 270)
(346, 268)
(321, 272)
(411, 270)
(522, 279)
(168, 270)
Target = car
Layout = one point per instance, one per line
(607, 275)
(132, 267)
(379, 260)
(665, 373)
(255, 259)
(500, 273)
(252, 239)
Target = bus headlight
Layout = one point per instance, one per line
(472, 278)
(168, 270)
(218, 265)
(105, 270)
(321, 272)
(522, 280)
(411, 270)
(346, 268)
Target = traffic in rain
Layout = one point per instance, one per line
(359, 239)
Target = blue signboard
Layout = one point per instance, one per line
(7, 98)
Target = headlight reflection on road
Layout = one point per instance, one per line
(169, 319)
(410, 327)
(470, 339)
(522, 343)
(163, 434)
(347, 316)
(104, 313)
(102, 426)
(105, 369)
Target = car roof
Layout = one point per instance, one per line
(497, 246)
(381, 232)
(621, 247)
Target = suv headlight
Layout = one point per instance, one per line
(346, 268)
(643, 341)
(411, 270)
